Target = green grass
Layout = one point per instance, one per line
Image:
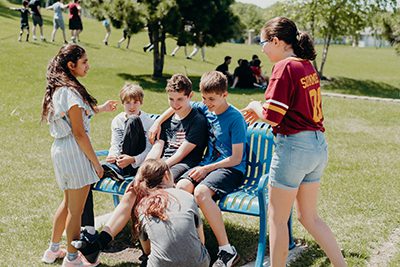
(360, 189)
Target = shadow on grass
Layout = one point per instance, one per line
(362, 87)
(313, 253)
(148, 82)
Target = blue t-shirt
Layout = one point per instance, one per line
(224, 130)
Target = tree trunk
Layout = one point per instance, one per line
(327, 42)
(313, 10)
(158, 53)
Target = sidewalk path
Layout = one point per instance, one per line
(361, 97)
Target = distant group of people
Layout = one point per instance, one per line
(246, 75)
(176, 178)
(75, 22)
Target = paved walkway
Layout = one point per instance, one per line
(361, 97)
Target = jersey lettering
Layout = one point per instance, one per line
(315, 96)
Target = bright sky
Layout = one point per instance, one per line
(260, 3)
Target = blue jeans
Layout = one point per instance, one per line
(298, 158)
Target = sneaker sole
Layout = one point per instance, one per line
(236, 260)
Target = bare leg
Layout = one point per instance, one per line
(76, 201)
(185, 184)
(203, 196)
(306, 205)
(59, 220)
(53, 34)
(280, 204)
(65, 37)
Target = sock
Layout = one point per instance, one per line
(72, 256)
(54, 246)
(227, 248)
(90, 229)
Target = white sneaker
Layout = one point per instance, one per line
(50, 256)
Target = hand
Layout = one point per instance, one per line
(99, 170)
(108, 106)
(124, 160)
(198, 173)
(154, 132)
(111, 159)
(249, 112)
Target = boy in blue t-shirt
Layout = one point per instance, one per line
(223, 165)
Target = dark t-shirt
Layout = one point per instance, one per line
(24, 15)
(34, 4)
(293, 97)
(246, 78)
(193, 128)
(222, 68)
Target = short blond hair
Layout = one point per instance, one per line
(179, 83)
(131, 91)
(213, 82)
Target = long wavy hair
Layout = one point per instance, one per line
(151, 199)
(286, 30)
(59, 75)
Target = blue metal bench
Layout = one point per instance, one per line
(251, 198)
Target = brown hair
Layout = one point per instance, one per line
(179, 83)
(285, 29)
(131, 91)
(151, 200)
(213, 82)
(59, 75)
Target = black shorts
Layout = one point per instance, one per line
(222, 181)
(24, 25)
(75, 24)
(37, 20)
(178, 170)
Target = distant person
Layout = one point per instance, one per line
(198, 45)
(107, 26)
(150, 45)
(260, 79)
(75, 21)
(253, 58)
(294, 110)
(166, 220)
(181, 42)
(224, 68)
(126, 34)
(37, 19)
(243, 76)
(58, 20)
(24, 11)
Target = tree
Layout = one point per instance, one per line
(251, 16)
(212, 21)
(390, 23)
(329, 20)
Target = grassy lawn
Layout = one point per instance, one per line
(360, 188)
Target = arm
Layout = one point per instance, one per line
(155, 129)
(117, 135)
(78, 130)
(253, 112)
(184, 149)
(200, 172)
(108, 106)
(157, 150)
(50, 7)
(141, 157)
(122, 213)
(235, 81)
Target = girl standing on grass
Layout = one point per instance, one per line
(293, 109)
(68, 107)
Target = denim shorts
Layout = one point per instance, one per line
(298, 158)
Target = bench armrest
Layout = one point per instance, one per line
(101, 153)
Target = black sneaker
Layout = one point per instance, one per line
(143, 260)
(111, 173)
(85, 236)
(226, 259)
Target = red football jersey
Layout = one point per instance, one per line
(293, 97)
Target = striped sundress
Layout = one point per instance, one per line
(72, 168)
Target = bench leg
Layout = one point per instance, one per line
(291, 239)
(116, 200)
